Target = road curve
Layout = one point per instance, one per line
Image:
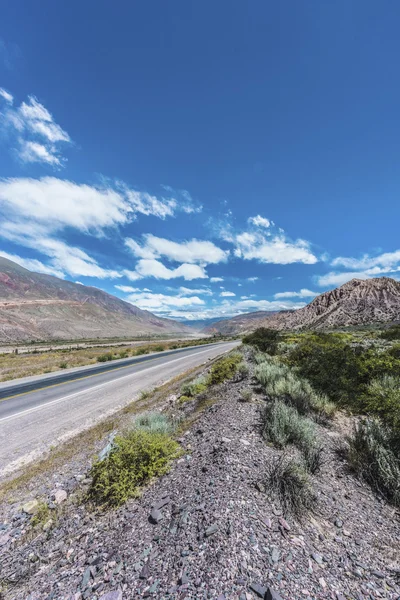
(37, 412)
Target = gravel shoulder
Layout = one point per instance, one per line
(209, 528)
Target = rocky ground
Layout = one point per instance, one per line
(208, 529)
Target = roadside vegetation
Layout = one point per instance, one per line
(307, 376)
(13, 366)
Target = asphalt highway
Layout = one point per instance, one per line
(37, 412)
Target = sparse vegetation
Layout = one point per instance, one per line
(154, 422)
(224, 369)
(289, 480)
(41, 515)
(192, 388)
(374, 453)
(246, 395)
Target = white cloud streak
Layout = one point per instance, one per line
(192, 251)
(303, 293)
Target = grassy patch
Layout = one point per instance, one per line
(374, 453)
(41, 516)
(290, 482)
(192, 388)
(154, 422)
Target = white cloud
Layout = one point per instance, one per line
(79, 282)
(252, 279)
(216, 279)
(37, 137)
(303, 293)
(227, 294)
(154, 268)
(260, 221)
(147, 204)
(127, 289)
(159, 303)
(385, 262)
(334, 279)
(6, 96)
(33, 265)
(187, 291)
(275, 250)
(193, 251)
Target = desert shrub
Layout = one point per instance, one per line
(290, 482)
(261, 357)
(141, 351)
(313, 456)
(63, 365)
(242, 370)
(266, 340)
(246, 395)
(383, 398)
(269, 371)
(283, 425)
(374, 453)
(159, 348)
(123, 354)
(154, 422)
(41, 515)
(183, 399)
(136, 457)
(197, 386)
(299, 393)
(392, 333)
(105, 357)
(224, 369)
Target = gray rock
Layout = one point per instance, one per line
(161, 503)
(145, 572)
(86, 577)
(30, 507)
(317, 557)
(258, 589)
(155, 516)
(275, 555)
(59, 496)
(211, 530)
(117, 595)
(272, 595)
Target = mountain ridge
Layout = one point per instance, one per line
(357, 302)
(36, 306)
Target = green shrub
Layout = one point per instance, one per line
(123, 354)
(41, 515)
(141, 351)
(105, 357)
(183, 399)
(224, 369)
(242, 370)
(393, 333)
(261, 357)
(154, 422)
(266, 340)
(270, 371)
(290, 482)
(136, 458)
(159, 348)
(299, 393)
(246, 395)
(283, 425)
(63, 365)
(374, 453)
(197, 386)
(383, 398)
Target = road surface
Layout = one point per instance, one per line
(37, 412)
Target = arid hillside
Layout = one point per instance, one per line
(358, 302)
(41, 307)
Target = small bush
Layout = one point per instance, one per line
(123, 354)
(41, 515)
(261, 357)
(269, 372)
(374, 453)
(224, 369)
(136, 458)
(266, 340)
(63, 365)
(183, 399)
(159, 348)
(283, 425)
(392, 333)
(314, 458)
(289, 480)
(154, 422)
(197, 386)
(141, 351)
(246, 395)
(383, 398)
(242, 371)
(105, 357)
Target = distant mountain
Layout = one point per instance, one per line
(42, 307)
(358, 302)
(203, 323)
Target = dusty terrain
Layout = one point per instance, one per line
(219, 532)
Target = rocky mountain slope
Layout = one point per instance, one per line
(358, 302)
(41, 307)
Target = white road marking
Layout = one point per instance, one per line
(52, 402)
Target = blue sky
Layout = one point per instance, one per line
(201, 159)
